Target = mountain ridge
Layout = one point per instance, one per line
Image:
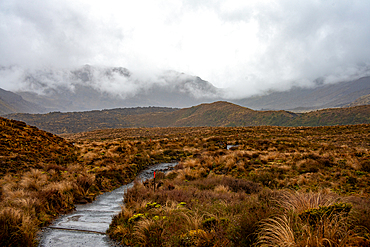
(220, 114)
(13, 103)
(302, 99)
(363, 100)
(95, 88)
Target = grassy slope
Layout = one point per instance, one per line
(214, 114)
(24, 147)
(28, 198)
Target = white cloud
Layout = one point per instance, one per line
(246, 46)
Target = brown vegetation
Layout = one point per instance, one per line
(47, 182)
(215, 197)
(277, 187)
(24, 147)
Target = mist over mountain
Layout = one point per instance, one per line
(258, 54)
(96, 87)
(90, 87)
(319, 97)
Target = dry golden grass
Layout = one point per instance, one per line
(33, 180)
(300, 202)
(290, 229)
(279, 158)
(277, 231)
(148, 232)
(213, 181)
(17, 227)
(222, 189)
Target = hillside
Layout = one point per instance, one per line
(23, 147)
(363, 100)
(335, 116)
(5, 108)
(13, 103)
(221, 114)
(227, 114)
(319, 97)
(74, 122)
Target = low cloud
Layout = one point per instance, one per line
(114, 81)
(245, 47)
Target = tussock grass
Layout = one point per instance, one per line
(17, 227)
(331, 228)
(226, 194)
(255, 193)
(300, 202)
(277, 231)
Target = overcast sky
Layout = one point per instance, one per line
(247, 46)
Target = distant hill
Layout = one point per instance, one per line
(74, 122)
(333, 116)
(23, 147)
(363, 100)
(214, 114)
(13, 103)
(305, 99)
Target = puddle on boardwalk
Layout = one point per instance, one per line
(86, 225)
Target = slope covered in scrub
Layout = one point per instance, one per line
(23, 147)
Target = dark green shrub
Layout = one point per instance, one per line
(209, 223)
(243, 185)
(365, 165)
(315, 215)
